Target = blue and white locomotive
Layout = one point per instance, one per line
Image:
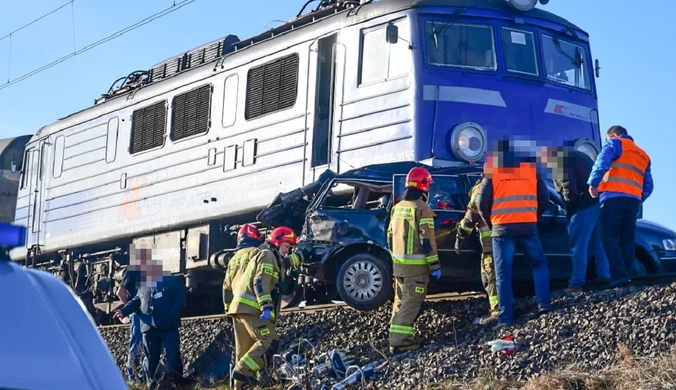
(205, 139)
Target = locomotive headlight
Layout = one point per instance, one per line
(587, 147)
(468, 142)
(523, 5)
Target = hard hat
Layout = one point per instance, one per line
(280, 235)
(248, 231)
(419, 178)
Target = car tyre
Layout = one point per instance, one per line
(364, 281)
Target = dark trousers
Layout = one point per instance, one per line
(618, 227)
(154, 340)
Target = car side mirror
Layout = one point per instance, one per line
(597, 68)
(14, 167)
(392, 34)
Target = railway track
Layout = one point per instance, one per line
(650, 280)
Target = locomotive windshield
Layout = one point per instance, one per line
(565, 62)
(460, 45)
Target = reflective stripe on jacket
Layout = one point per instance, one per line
(253, 280)
(514, 195)
(412, 222)
(626, 174)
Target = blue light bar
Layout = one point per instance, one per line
(12, 236)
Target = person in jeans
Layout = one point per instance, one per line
(570, 171)
(511, 197)
(131, 279)
(621, 175)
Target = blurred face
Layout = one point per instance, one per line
(547, 156)
(610, 136)
(285, 248)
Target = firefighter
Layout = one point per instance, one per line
(253, 301)
(248, 241)
(410, 237)
(465, 227)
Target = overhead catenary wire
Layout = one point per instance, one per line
(175, 7)
(8, 35)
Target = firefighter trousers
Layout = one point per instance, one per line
(489, 281)
(488, 270)
(256, 341)
(409, 294)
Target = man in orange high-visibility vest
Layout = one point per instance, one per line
(621, 175)
(511, 197)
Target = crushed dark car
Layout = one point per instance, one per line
(342, 220)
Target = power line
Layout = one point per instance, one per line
(175, 7)
(36, 20)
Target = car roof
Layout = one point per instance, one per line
(385, 172)
(48, 339)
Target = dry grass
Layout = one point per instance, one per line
(627, 373)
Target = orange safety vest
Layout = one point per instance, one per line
(515, 195)
(626, 173)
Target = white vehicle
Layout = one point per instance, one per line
(47, 338)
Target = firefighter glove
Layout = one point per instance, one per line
(436, 274)
(267, 314)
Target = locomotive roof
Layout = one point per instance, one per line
(276, 39)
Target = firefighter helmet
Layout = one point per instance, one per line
(419, 178)
(280, 235)
(248, 231)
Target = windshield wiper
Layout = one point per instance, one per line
(575, 61)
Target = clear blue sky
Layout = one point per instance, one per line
(632, 42)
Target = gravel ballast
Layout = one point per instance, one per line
(585, 330)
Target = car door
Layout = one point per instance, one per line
(343, 214)
(448, 198)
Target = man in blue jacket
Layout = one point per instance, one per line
(621, 175)
(158, 303)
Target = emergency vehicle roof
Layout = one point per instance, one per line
(47, 339)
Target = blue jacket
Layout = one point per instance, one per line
(164, 306)
(612, 150)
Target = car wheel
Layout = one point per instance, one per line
(638, 269)
(364, 281)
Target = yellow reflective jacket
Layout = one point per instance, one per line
(250, 283)
(410, 223)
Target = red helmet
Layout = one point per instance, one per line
(419, 178)
(248, 231)
(282, 234)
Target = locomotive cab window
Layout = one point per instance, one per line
(190, 113)
(460, 45)
(565, 63)
(147, 127)
(381, 61)
(519, 52)
(272, 87)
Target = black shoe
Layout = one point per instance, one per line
(544, 308)
(616, 283)
(405, 348)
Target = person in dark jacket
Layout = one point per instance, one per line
(622, 179)
(511, 197)
(570, 171)
(158, 302)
